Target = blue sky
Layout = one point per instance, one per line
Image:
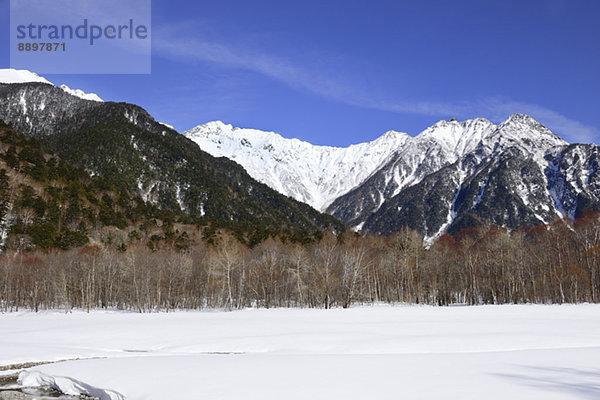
(339, 72)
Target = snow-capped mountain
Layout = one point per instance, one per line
(518, 174)
(466, 144)
(452, 175)
(24, 76)
(319, 175)
(434, 148)
(316, 175)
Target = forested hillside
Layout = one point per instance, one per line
(123, 144)
(46, 203)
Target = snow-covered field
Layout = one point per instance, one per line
(383, 352)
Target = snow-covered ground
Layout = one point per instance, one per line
(491, 352)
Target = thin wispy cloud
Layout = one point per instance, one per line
(268, 65)
(171, 43)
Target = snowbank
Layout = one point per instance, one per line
(65, 385)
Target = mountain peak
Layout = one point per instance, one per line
(526, 123)
(216, 125)
(524, 132)
(456, 136)
(456, 124)
(391, 134)
(444, 123)
(81, 94)
(478, 120)
(211, 128)
(9, 75)
(521, 116)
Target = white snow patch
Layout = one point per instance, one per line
(81, 94)
(481, 192)
(3, 235)
(146, 193)
(358, 227)
(167, 125)
(180, 199)
(556, 201)
(4, 225)
(23, 103)
(131, 117)
(20, 76)
(65, 385)
(428, 240)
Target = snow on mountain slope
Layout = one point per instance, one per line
(440, 181)
(511, 175)
(81, 94)
(23, 76)
(436, 147)
(524, 132)
(20, 76)
(353, 183)
(316, 175)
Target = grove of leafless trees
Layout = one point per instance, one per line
(548, 264)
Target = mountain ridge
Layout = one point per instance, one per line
(124, 144)
(306, 172)
(453, 174)
(12, 76)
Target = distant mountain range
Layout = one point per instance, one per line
(450, 176)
